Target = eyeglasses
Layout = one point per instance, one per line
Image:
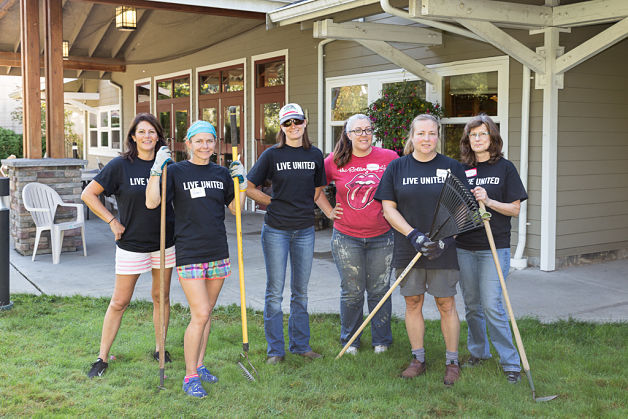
(357, 132)
(289, 122)
(478, 134)
(142, 133)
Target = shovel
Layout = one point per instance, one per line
(486, 217)
(244, 356)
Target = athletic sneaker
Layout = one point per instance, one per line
(166, 356)
(194, 388)
(513, 377)
(352, 350)
(98, 368)
(378, 349)
(205, 375)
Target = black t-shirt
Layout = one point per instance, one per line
(503, 184)
(127, 181)
(199, 194)
(415, 187)
(295, 173)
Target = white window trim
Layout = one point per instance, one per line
(99, 150)
(195, 117)
(501, 64)
(258, 57)
(176, 74)
(374, 80)
(432, 93)
(143, 81)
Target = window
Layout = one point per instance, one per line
(270, 73)
(470, 88)
(348, 95)
(142, 96)
(105, 137)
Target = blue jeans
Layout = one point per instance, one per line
(363, 265)
(482, 295)
(277, 245)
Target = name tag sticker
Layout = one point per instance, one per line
(372, 166)
(471, 172)
(197, 192)
(441, 173)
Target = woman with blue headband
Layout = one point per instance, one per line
(199, 190)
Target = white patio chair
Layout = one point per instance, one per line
(42, 202)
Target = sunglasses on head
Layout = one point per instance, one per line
(289, 122)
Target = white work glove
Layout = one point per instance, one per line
(236, 169)
(163, 157)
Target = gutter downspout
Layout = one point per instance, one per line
(388, 8)
(518, 262)
(321, 93)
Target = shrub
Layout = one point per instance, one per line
(10, 143)
(392, 114)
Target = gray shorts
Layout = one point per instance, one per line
(437, 282)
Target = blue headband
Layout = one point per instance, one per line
(199, 127)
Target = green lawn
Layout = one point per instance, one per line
(47, 344)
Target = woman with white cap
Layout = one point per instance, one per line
(199, 190)
(296, 169)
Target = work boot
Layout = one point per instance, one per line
(415, 369)
(311, 355)
(274, 359)
(452, 374)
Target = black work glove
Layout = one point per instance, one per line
(434, 250)
(417, 239)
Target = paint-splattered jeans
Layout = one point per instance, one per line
(363, 265)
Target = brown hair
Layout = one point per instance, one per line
(409, 147)
(281, 139)
(344, 147)
(467, 155)
(130, 145)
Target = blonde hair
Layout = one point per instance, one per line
(409, 147)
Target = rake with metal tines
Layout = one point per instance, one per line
(456, 212)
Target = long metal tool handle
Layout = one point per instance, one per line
(379, 305)
(162, 279)
(522, 352)
(236, 188)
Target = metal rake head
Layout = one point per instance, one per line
(248, 374)
(456, 211)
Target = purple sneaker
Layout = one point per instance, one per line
(205, 375)
(194, 388)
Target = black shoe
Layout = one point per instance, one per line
(473, 362)
(98, 368)
(513, 377)
(166, 356)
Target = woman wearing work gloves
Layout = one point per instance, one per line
(136, 231)
(362, 239)
(499, 186)
(409, 191)
(199, 190)
(295, 167)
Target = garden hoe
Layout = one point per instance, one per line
(162, 280)
(486, 217)
(250, 375)
(456, 212)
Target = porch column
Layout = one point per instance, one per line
(29, 31)
(53, 16)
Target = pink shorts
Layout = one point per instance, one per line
(133, 263)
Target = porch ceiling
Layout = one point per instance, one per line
(165, 30)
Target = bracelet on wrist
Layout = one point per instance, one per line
(154, 172)
(113, 218)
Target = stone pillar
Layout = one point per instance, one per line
(62, 175)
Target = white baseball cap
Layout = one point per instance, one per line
(290, 111)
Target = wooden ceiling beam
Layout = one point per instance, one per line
(185, 8)
(12, 59)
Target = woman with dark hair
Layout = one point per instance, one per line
(136, 232)
(296, 169)
(409, 191)
(362, 239)
(200, 190)
(498, 185)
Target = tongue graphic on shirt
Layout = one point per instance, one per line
(361, 190)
